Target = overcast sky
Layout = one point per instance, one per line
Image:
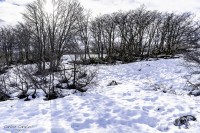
(10, 9)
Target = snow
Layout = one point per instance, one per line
(132, 106)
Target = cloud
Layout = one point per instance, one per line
(1, 20)
(172, 5)
(10, 9)
(108, 6)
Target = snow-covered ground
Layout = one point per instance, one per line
(132, 106)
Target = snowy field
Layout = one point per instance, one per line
(132, 106)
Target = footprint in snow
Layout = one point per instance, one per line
(131, 100)
(86, 115)
(58, 130)
(116, 110)
(23, 117)
(131, 113)
(84, 125)
(109, 104)
(78, 119)
(137, 107)
(107, 110)
(44, 111)
(126, 94)
(33, 114)
(180, 108)
(56, 113)
(147, 108)
(170, 110)
(153, 99)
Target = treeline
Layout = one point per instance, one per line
(142, 33)
(67, 28)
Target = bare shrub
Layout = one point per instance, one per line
(193, 63)
(22, 83)
(81, 77)
(44, 82)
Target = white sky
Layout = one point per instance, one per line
(10, 9)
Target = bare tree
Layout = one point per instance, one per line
(23, 41)
(84, 33)
(7, 38)
(96, 37)
(53, 30)
(35, 18)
